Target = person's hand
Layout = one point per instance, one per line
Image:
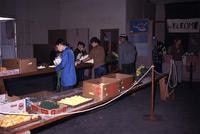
(86, 59)
(79, 62)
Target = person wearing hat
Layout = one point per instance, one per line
(127, 55)
(67, 65)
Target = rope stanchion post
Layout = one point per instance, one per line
(152, 115)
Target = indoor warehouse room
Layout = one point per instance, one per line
(99, 66)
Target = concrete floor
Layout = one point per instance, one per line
(128, 115)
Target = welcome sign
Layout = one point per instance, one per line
(183, 25)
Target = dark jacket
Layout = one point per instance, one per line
(77, 51)
(127, 53)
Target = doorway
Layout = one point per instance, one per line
(8, 47)
(109, 39)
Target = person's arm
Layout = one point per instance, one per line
(75, 54)
(63, 62)
(89, 57)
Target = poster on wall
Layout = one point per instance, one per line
(183, 25)
(139, 26)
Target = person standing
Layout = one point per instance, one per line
(78, 53)
(157, 56)
(98, 54)
(68, 74)
(177, 53)
(127, 55)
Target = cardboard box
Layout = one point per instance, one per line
(12, 107)
(102, 88)
(36, 107)
(24, 65)
(126, 80)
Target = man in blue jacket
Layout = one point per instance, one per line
(68, 75)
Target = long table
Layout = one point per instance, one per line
(47, 120)
(38, 72)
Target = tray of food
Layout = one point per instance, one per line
(8, 122)
(48, 107)
(75, 101)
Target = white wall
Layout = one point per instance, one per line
(7, 8)
(93, 14)
(34, 18)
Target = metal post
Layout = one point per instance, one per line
(152, 115)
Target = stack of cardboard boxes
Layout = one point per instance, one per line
(18, 65)
(107, 87)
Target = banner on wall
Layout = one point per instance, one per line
(139, 26)
(183, 25)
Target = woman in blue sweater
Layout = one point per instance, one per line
(68, 75)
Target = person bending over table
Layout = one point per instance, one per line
(98, 54)
(68, 74)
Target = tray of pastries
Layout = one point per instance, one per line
(75, 101)
(8, 122)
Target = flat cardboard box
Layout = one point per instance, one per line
(126, 80)
(101, 88)
(35, 107)
(24, 65)
(14, 107)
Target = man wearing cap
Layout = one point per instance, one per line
(127, 55)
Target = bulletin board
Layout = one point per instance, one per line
(142, 39)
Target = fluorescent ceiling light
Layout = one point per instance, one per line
(5, 18)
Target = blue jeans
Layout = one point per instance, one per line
(100, 71)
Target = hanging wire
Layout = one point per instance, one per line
(172, 66)
(90, 109)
